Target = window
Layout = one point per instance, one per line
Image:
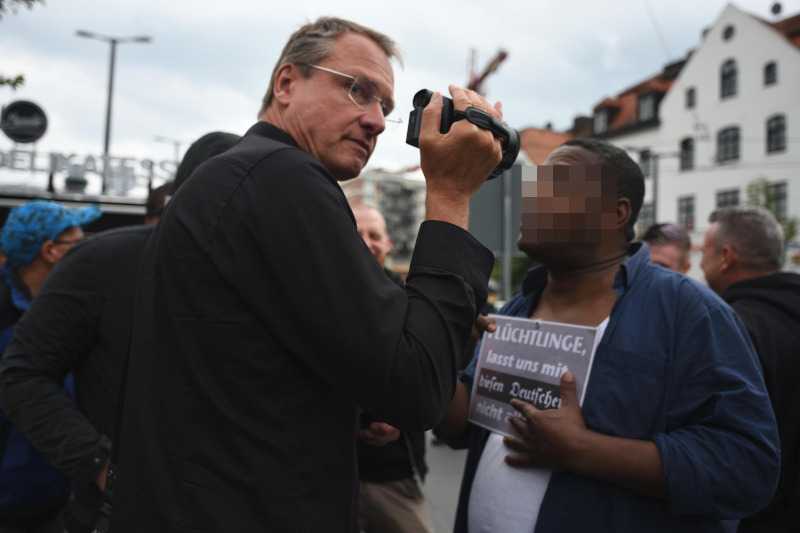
(728, 144)
(691, 98)
(728, 198)
(776, 134)
(686, 212)
(645, 162)
(727, 33)
(646, 217)
(687, 154)
(770, 73)
(601, 121)
(776, 195)
(728, 79)
(647, 107)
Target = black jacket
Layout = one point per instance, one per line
(769, 306)
(400, 459)
(80, 323)
(262, 322)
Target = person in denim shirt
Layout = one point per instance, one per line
(676, 432)
(36, 235)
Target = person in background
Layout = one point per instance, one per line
(391, 464)
(743, 252)
(670, 246)
(35, 237)
(675, 396)
(80, 324)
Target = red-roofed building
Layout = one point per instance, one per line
(707, 126)
(537, 143)
(635, 108)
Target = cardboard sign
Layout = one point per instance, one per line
(525, 359)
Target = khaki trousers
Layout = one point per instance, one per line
(393, 507)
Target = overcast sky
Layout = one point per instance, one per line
(209, 61)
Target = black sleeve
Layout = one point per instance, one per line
(756, 321)
(395, 349)
(49, 341)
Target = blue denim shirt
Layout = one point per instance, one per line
(676, 367)
(29, 485)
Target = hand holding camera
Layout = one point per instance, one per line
(462, 142)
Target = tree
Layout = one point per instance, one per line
(762, 193)
(12, 6)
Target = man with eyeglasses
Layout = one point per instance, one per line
(263, 323)
(35, 236)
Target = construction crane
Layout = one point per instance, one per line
(476, 80)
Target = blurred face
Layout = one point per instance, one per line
(670, 256)
(372, 228)
(568, 207)
(712, 263)
(321, 116)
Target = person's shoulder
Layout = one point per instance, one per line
(105, 255)
(110, 241)
(688, 295)
(259, 154)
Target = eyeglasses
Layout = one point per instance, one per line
(363, 92)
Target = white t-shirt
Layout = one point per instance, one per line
(507, 499)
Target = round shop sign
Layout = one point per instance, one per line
(23, 121)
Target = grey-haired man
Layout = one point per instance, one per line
(743, 253)
(263, 323)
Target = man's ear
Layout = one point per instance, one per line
(624, 212)
(729, 259)
(285, 80)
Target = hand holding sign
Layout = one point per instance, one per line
(522, 359)
(548, 438)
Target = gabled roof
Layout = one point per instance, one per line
(623, 107)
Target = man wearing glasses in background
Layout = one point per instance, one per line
(35, 237)
(263, 323)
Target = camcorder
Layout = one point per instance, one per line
(509, 137)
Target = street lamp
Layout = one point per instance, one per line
(113, 41)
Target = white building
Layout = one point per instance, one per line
(725, 116)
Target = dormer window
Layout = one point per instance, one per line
(601, 121)
(647, 107)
